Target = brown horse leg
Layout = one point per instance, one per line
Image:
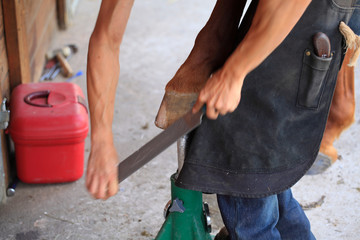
(213, 45)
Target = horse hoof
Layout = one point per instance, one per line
(322, 162)
(173, 106)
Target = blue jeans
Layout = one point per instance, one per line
(269, 218)
(354, 22)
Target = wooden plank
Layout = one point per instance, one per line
(4, 69)
(31, 10)
(1, 23)
(3, 57)
(38, 28)
(5, 87)
(4, 77)
(65, 12)
(2, 41)
(38, 59)
(2, 38)
(62, 14)
(16, 42)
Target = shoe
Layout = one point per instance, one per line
(223, 234)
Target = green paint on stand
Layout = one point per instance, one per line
(190, 224)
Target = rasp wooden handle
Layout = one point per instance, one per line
(67, 70)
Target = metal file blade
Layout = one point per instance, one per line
(158, 144)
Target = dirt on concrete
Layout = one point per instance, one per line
(159, 36)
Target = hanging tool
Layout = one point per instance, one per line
(60, 57)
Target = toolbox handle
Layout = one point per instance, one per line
(40, 94)
(82, 102)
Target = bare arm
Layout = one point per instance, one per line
(102, 77)
(272, 22)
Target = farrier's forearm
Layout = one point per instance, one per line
(272, 22)
(102, 78)
(103, 64)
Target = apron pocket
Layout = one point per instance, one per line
(312, 78)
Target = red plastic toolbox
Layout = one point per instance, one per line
(48, 124)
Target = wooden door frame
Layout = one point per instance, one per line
(16, 42)
(19, 47)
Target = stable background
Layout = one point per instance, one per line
(159, 36)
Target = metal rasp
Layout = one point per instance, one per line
(158, 144)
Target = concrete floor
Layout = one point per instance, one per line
(159, 36)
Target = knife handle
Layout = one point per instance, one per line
(322, 45)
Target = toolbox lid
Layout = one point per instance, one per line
(48, 111)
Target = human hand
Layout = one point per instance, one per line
(221, 94)
(101, 174)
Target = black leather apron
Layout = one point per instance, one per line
(269, 142)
